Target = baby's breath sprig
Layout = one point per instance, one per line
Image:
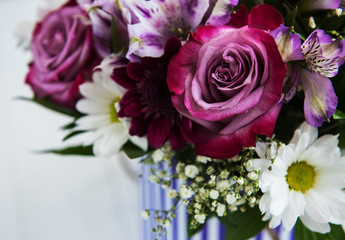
(208, 186)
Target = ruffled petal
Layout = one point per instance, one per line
(265, 17)
(158, 131)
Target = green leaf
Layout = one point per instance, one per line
(132, 151)
(68, 126)
(74, 150)
(72, 134)
(53, 106)
(338, 114)
(228, 221)
(116, 41)
(192, 231)
(303, 233)
(290, 17)
(249, 224)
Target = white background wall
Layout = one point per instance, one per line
(48, 197)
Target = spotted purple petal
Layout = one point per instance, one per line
(101, 13)
(291, 81)
(160, 19)
(323, 54)
(320, 100)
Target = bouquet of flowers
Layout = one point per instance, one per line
(241, 101)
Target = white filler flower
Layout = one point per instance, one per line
(306, 181)
(104, 129)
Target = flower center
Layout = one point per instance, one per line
(113, 112)
(155, 93)
(300, 176)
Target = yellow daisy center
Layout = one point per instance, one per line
(300, 176)
(113, 112)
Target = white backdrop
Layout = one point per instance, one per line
(48, 197)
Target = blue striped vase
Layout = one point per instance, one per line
(152, 196)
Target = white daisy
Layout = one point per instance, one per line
(104, 129)
(305, 181)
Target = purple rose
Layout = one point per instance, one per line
(228, 80)
(62, 48)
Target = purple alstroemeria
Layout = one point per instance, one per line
(160, 19)
(221, 11)
(320, 100)
(101, 13)
(311, 5)
(322, 56)
(289, 45)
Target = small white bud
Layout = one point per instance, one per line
(154, 179)
(186, 192)
(199, 179)
(339, 12)
(252, 199)
(172, 193)
(145, 214)
(180, 167)
(197, 206)
(223, 185)
(240, 180)
(191, 171)
(203, 159)
(312, 23)
(166, 223)
(214, 194)
(220, 210)
(157, 155)
(224, 174)
(200, 218)
(233, 208)
(253, 176)
(230, 198)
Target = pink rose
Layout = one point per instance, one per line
(228, 81)
(61, 46)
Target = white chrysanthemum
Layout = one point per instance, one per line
(306, 181)
(104, 129)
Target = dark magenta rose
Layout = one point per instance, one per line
(62, 47)
(228, 81)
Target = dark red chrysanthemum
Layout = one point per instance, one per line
(148, 99)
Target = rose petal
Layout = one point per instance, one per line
(264, 17)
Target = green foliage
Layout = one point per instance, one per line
(74, 150)
(72, 134)
(290, 17)
(53, 106)
(243, 225)
(116, 41)
(132, 151)
(69, 126)
(338, 114)
(303, 233)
